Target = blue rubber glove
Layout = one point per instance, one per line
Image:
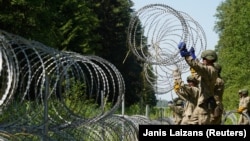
(192, 52)
(184, 53)
(183, 49)
(182, 46)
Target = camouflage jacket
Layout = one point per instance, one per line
(208, 76)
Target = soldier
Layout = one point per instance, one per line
(216, 116)
(208, 76)
(244, 107)
(177, 109)
(189, 93)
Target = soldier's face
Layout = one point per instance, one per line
(190, 83)
(240, 94)
(204, 61)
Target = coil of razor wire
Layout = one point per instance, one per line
(161, 28)
(231, 118)
(37, 80)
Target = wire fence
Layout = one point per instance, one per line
(48, 94)
(40, 96)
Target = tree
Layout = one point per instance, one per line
(114, 19)
(233, 27)
(87, 27)
(65, 25)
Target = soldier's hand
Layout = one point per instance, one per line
(193, 72)
(183, 49)
(192, 52)
(240, 110)
(176, 86)
(182, 46)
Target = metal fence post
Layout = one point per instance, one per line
(45, 130)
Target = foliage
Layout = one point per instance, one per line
(59, 24)
(86, 27)
(154, 112)
(114, 19)
(134, 110)
(234, 48)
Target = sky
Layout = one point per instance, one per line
(202, 11)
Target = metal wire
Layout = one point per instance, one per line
(40, 96)
(161, 28)
(231, 116)
(46, 89)
(40, 85)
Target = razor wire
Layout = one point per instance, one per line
(36, 79)
(161, 28)
(232, 117)
(115, 127)
(27, 64)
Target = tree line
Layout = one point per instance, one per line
(233, 48)
(86, 27)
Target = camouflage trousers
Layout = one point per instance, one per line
(216, 115)
(243, 120)
(200, 116)
(185, 120)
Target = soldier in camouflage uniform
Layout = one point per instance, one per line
(244, 107)
(177, 109)
(208, 76)
(216, 116)
(189, 93)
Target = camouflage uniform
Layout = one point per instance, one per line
(216, 116)
(208, 76)
(190, 95)
(177, 109)
(244, 107)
